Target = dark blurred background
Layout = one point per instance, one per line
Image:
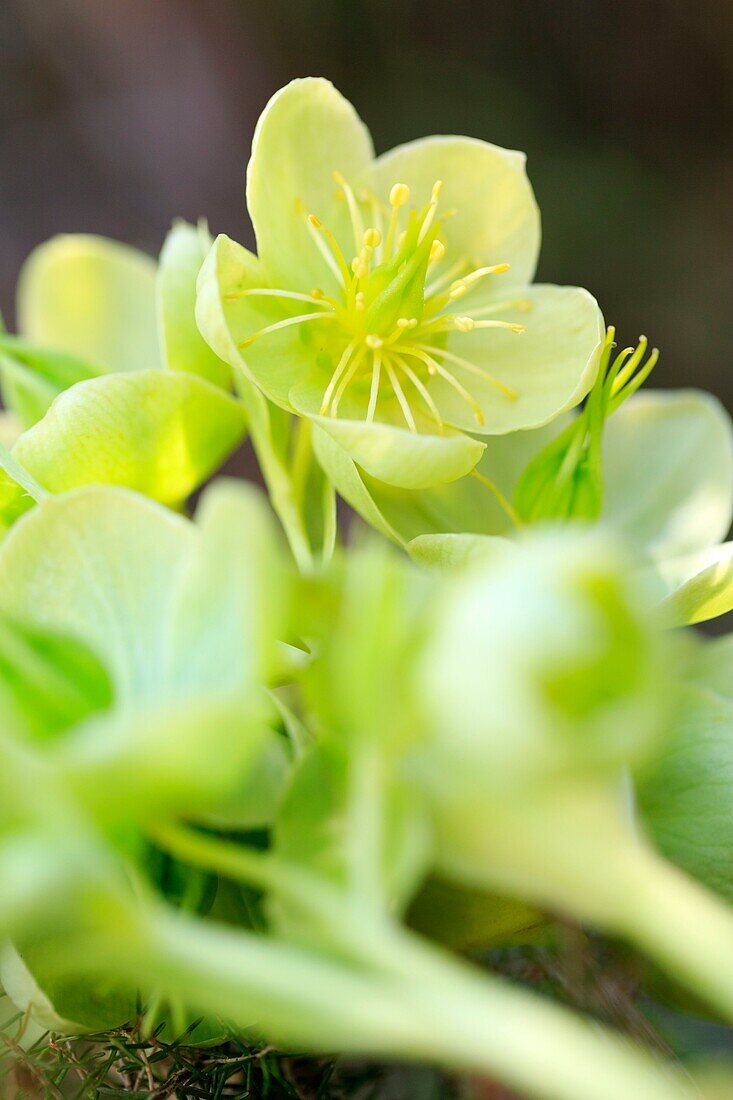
(117, 115)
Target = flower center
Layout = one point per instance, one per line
(388, 322)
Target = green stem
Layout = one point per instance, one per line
(417, 1004)
(403, 998)
(688, 930)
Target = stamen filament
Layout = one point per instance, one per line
(322, 316)
(430, 213)
(398, 196)
(374, 390)
(421, 389)
(265, 292)
(435, 368)
(341, 366)
(400, 395)
(445, 278)
(467, 365)
(357, 222)
(522, 304)
(355, 364)
(329, 249)
(464, 284)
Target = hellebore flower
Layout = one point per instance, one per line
(390, 301)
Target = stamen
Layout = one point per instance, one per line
(445, 278)
(341, 366)
(432, 207)
(435, 368)
(357, 223)
(437, 251)
(462, 286)
(421, 389)
(524, 305)
(398, 196)
(374, 390)
(323, 316)
(373, 342)
(375, 206)
(263, 292)
(329, 249)
(372, 238)
(400, 395)
(467, 365)
(359, 301)
(464, 324)
(355, 364)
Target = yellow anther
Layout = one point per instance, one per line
(315, 222)
(406, 322)
(435, 193)
(359, 301)
(399, 195)
(437, 251)
(458, 289)
(372, 238)
(317, 293)
(373, 342)
(464, 324)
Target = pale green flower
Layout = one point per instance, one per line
(390, 301)
(109, 375)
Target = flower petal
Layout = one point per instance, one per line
(462, 506)
(550, 367)
(668, 469)
(159, 432)
(92, 297)
(276, 362)
(408, 460)
(496, 219)
(700, 585)
(305, 133)
(183, 347)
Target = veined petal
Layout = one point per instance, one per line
(550, 367)
(466, 506)
(306, 132)
(668, 469)
(392, 454)
(277, 362)
(496, 219)
(92, 297)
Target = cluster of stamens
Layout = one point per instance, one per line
(394, 305)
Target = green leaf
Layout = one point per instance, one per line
(686, 796)
(160, 433)
(93, 298)
(108, 581)
(51, 681)
(184, 251)
(31, 377)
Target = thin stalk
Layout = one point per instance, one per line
(418, 1004)
(500, 498)
(404, 998)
